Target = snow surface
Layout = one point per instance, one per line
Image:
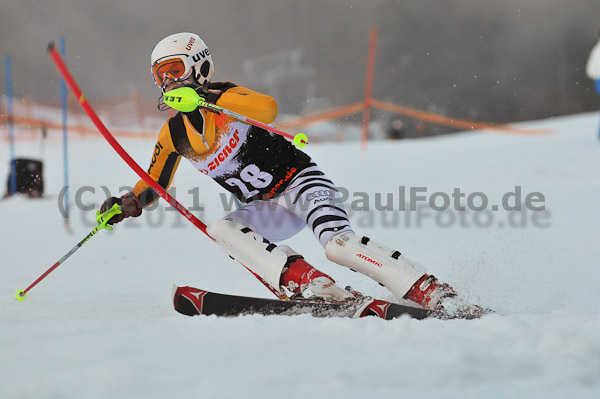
(102, 324)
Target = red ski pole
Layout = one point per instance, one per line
(64, 71)
(102, 219)
(113, 142)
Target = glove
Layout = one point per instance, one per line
(130, 207)
(210, 96)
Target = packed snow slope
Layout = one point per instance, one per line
(102, 325)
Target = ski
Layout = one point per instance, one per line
(193, 302)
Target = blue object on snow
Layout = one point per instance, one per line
(597, 84)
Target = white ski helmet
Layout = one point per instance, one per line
(179, 56)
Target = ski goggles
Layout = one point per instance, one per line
(174, 68)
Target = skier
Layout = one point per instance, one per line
(593, 69)
(282, 189)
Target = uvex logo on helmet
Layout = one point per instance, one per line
(202, 54)
(224, 152)
(190, 44)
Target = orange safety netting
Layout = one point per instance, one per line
(341, 112)
(298, 123)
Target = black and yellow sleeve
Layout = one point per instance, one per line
(165, 161)
(249, 103)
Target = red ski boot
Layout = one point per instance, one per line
(304, 280)
(431, 294)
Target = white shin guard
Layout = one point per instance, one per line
(386, 266)
(250, 249)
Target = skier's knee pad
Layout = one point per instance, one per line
(386, 266)
(258, 254)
